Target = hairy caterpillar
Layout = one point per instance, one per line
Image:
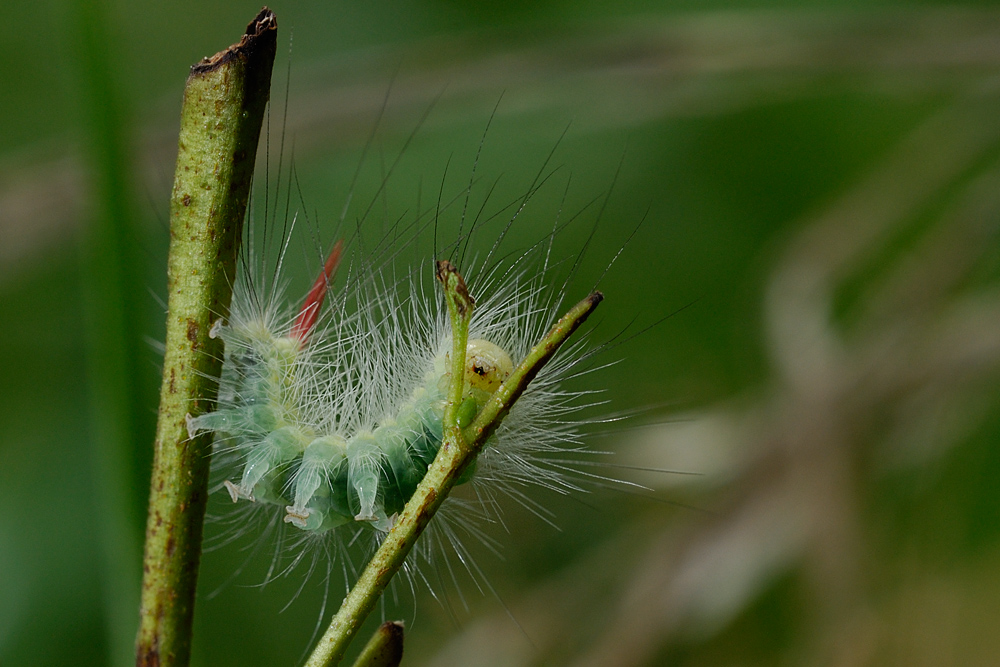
(329, 413)
(283, 408)
(332, 415)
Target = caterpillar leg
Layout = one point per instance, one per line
(244, 420)
(311, 508)
(280, 446)
(364, 474)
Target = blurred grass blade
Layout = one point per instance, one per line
(110, 282)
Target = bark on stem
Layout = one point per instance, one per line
(224, 102)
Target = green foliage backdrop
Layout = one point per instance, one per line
(820, 178)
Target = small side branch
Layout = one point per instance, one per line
(506, 395)
(460, 304)
(385, 648)
(458, 450)
(221, 118)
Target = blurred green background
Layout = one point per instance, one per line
(821, 179)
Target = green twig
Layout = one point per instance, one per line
(458, 450)
(221, 117)
(506, 395)
(385, 648)
(460, 304)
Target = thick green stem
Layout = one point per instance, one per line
(224, 103)
(458, 450)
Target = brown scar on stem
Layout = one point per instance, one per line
(263, 23)
(446, 271)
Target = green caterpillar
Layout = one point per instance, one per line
(325, 480)
(323, 472)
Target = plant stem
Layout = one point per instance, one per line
(460, 305)
(492, 414)
(458, 450)
(384, 649)
(224, 102)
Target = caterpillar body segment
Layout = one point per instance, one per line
(322, 475)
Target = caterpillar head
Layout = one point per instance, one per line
(487, 365)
